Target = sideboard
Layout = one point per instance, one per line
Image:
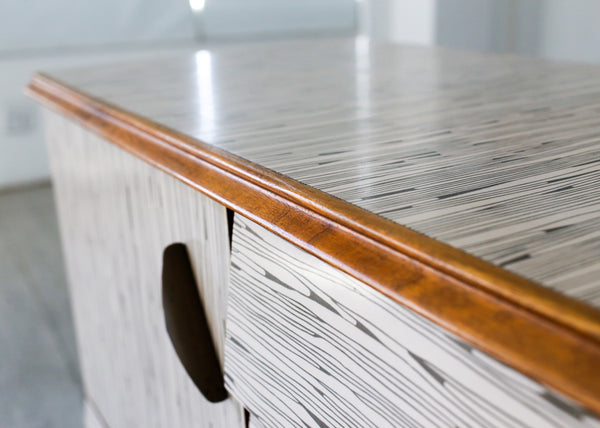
(380, 235)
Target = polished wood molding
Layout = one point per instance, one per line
(550, 337)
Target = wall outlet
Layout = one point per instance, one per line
(19, 119)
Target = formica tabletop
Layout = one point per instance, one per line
(495, 156)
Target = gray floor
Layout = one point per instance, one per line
(39, 380)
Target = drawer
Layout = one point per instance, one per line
(308, 345)
(117, 216)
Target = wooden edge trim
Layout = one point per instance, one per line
(548, 336)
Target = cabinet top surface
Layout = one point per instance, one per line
(496, 155)
(343, 146)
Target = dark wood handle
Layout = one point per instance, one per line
(187, 325)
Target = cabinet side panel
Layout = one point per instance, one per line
(91, 418)
(308, 345)
(117, 214)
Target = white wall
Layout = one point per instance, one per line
(400, 21)
(226, 19)
(42, 24)
(473, 24)
(570, 30)
(556, 29)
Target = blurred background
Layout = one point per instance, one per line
(39, 381)
(37, 34)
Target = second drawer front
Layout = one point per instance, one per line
(308, 345)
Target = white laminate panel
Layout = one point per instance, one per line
(496, 155)
(308, 345)
(91, 418)
(117, 214)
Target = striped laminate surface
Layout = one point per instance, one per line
(496, 155)
(309, 346)
(117, 215)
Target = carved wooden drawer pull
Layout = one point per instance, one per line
(187, 325)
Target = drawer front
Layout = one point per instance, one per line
(117, 215)
(308, 345)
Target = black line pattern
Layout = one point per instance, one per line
(486, 153)
(309, 346)
(117, 214)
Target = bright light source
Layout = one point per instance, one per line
(197, 5)
(205, 94)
